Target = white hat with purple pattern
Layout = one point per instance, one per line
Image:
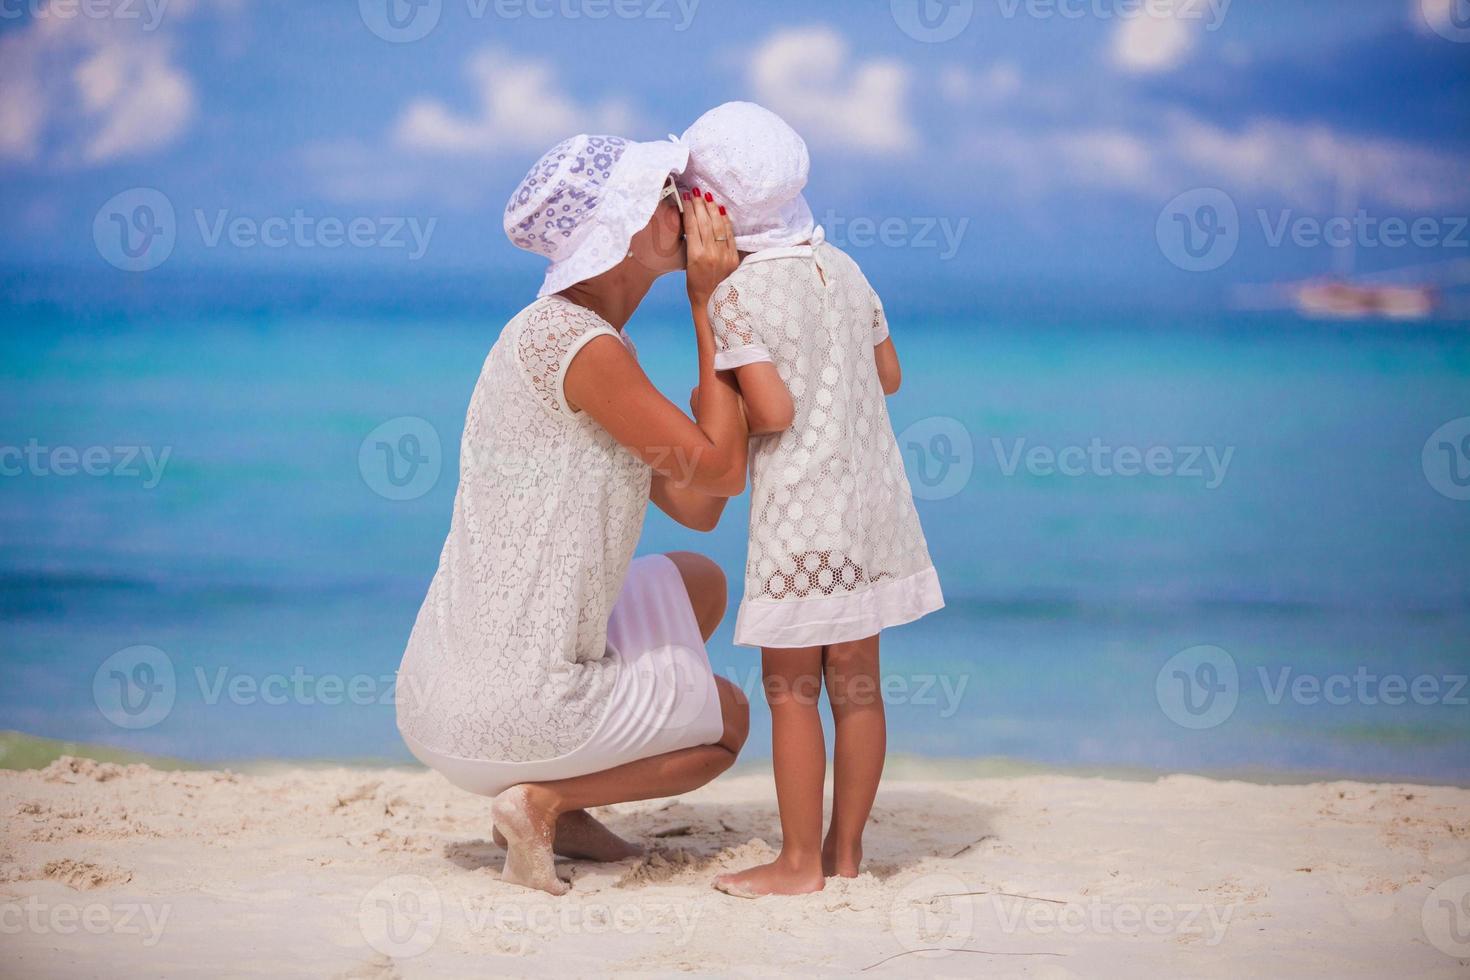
(583, 202)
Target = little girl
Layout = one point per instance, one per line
(836, 552)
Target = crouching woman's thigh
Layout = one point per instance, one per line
(735, 710)
(706, 585)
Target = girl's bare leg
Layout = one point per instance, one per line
(854, 689)
(529, 817)
(793, 680)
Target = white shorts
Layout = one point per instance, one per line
(664, 697)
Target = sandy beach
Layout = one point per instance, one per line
(124, 870)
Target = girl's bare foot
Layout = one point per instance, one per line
(581, 836)
(841, 862)
(528, 829)
(776, 878)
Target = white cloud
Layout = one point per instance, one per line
(1295, 164)
(83, 91)
(1155, 40)
(516, 111)
(807, 76)
(519, 108)
(997, 83)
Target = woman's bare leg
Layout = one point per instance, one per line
(527, 814)
(799, 755)
(854, 689)
(582, 836)
(530, 817)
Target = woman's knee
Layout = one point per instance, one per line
(735, 710)
(706, 585)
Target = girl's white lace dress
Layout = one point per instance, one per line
(836, 550)
(522, 649)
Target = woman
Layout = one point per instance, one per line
(546, 667)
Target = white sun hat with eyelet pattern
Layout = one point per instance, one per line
(583, 202)
(756, 165)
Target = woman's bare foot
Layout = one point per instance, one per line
(528, 829)
(776, 878)
(581, 836)
(841, 862)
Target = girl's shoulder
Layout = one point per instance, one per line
(841, 264)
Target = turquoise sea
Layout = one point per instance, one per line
(1227, 544)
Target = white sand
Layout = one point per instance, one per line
(121, 871)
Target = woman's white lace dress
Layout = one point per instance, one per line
(506, 661)
(836, 550)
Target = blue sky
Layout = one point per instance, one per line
(1039, 144)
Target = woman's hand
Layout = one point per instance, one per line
(710, 244)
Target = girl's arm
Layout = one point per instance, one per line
(768, 404)
(704, 456)
(890, 375)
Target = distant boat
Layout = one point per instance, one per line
(1342, 299)
(1404, 294)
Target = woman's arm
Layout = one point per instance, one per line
(890, 375)
(705, 455)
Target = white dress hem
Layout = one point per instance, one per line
(838, 618)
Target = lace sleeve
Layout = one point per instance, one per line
(551, 337)
(733, 317)
(880, 321)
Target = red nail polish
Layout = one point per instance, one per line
(709, 197)
(722, 209)
(694, 191)
(686, 195)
